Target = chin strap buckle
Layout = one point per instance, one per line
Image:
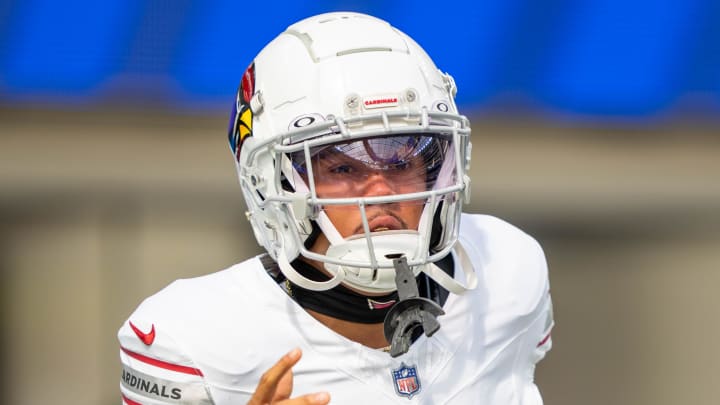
(410, 312)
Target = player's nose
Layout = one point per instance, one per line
(378, 184)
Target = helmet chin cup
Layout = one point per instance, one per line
(295, 277)
(367, 261)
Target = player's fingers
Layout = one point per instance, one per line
(318, 398)
(267, 385)
(284, 387)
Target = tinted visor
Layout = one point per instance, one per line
(377, 166)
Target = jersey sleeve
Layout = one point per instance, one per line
(545, 342)
(537, 339)
(155, 368)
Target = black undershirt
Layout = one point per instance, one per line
(343, 303)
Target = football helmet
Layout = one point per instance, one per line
(336, 102)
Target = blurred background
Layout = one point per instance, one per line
(596, 128)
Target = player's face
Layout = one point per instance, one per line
(363, 169)
(340, 176)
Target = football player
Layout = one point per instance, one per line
(352, 160)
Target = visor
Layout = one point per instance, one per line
(385, 165)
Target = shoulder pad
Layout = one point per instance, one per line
(155, 369)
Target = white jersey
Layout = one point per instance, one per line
(208, 340)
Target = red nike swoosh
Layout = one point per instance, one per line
(146, 338)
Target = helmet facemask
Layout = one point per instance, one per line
(374, 191)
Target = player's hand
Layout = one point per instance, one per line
(275, 386)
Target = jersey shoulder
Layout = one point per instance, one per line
(190, 301)
(156, 369)
(514, 290)
(509, 262)
(160, 341)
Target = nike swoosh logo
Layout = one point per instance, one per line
(146, 338)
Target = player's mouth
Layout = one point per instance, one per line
(384, 222)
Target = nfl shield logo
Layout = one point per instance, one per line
(406, 380)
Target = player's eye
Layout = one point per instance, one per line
(342, 169)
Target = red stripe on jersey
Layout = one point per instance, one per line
(545, 339)
(162, 364)
(129, 401)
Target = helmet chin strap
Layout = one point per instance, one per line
(292, 275)
(449, 283)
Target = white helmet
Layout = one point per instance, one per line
(346, 89)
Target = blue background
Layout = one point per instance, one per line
(599, 59)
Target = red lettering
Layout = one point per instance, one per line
(381, 101)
